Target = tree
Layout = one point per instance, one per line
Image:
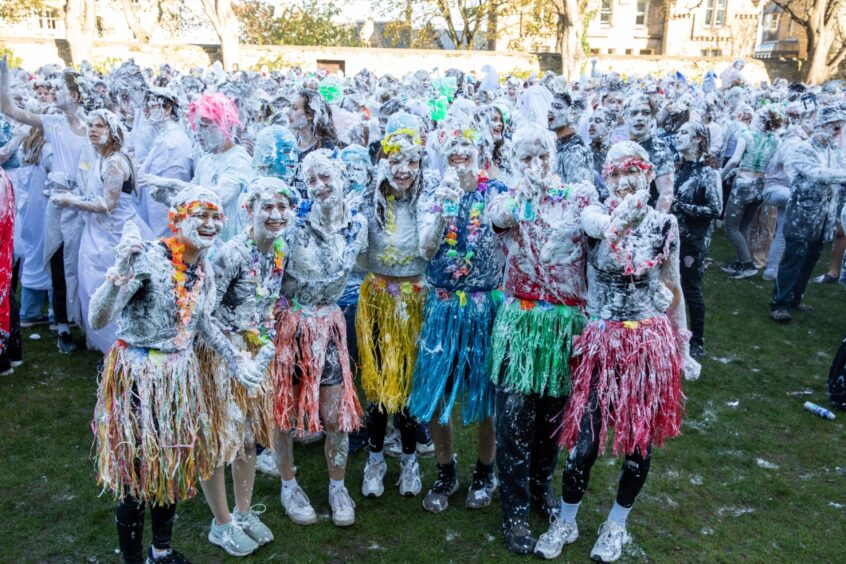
(225, 24)
(16, 10)
(80, 22)
(465, 21)
(569, 32)
(309, 22)
(821, 22)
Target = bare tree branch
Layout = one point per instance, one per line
(785, 6)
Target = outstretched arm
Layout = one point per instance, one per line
(6, 105)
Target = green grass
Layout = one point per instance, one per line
(707, 499)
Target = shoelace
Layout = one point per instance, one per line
(608, 538)
(443, 483)
(407, 473)
(343, 500)
(252, 516)
(299, 497)
(372, 472)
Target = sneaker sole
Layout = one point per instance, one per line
(373, 495)
(742, 275)
(337, 523)
(411, 493)
(446, 504)
(596, 558)
(297, 521)
(228, 550)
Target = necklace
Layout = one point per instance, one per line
(460, 266)
(186, 301)
(268, 288)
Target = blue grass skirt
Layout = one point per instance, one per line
(452, 357)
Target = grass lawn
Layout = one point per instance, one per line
(754, 477)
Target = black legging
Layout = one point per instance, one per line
(60, 287)
(377, 427)
(692, 268)
(129, 518)
(583, 455)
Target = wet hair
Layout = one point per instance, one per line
(636, 100)
(570, 100)
(32, 146)
(771, 119)
(700, 131)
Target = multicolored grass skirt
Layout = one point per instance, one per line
(150, 425)
(534, 340)
(635, 368)
(387, 324)
(235, 413)
(303, 334)
(452, 356)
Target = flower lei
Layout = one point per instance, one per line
(631, 165)
(461, 266)
(267, 289)
(186, 301)
(181, 212)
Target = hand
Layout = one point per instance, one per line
(247, 373)
(449, 191)
(265, 356)
(62, 200)
(130, 245)
(690, 368)
(153, 181)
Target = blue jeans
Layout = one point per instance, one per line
(32, 302)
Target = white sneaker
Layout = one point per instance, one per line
(426, 449)
(343, 507)
(252, 525)
(393, 443)
(297, 506)
(409, 479)
(266, 463)
(232, 538)
(374, 474)
(610, 543)
(551, 543)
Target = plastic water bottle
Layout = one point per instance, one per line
(819, 410)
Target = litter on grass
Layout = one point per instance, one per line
(734, 511)
(766, 464)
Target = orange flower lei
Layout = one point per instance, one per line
(185, 301)
(184, 211)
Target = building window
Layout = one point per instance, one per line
(642, 10)
(646, 52)
(712, 52)
(715, 12)
(47, 19)
(605, 13)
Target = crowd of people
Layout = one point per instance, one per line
(257, 255)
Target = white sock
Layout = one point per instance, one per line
(568, 511)
(159, 553)
(289, 484)
(406, 458)
(64, 328)
(377, 456)
(335, 485)
(619, 514)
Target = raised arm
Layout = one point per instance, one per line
(6, 105)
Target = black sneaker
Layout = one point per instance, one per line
(66, 343)
(518, 537)
(172, 557)
(481, 489)
(437, 499)
(697, 351)
(744, 270)
(731, 269)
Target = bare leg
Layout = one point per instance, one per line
(215, 491)
(244, 476)
(337, 445)
(487, 441)
(838, 246)
(442, 437)
(283, 448)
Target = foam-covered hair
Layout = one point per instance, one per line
(190, 198)
(268, 184)
(530, 135)
(323, 159)
(217, 108)
(353, 153)
(626, 150)
(112, 122)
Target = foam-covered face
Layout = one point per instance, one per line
(202, 226)
(496, 126)
(685, 139)
(209, 135)
(324, 186)
(639, 120)
(154, 110)
(626, 175)
(830, 132)
(98, 131)
(404, 169)
(614, 102)
(63, 98)
(43, 94)
(532, 159)
(806, 122)
(597, 127)
(463, 155)
(271, 213)
(358, 173)
(559, 115)
(276, 156)
(297, 117)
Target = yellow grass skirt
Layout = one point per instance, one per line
(387, 324)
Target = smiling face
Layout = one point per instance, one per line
(201, 226)
(98, 131)
(626, 171)
(297, 117)
(403, 171)
(462, 155)
(639, 120)
(271, 214)
(496, 126)
(532, 158)
(324, 185)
